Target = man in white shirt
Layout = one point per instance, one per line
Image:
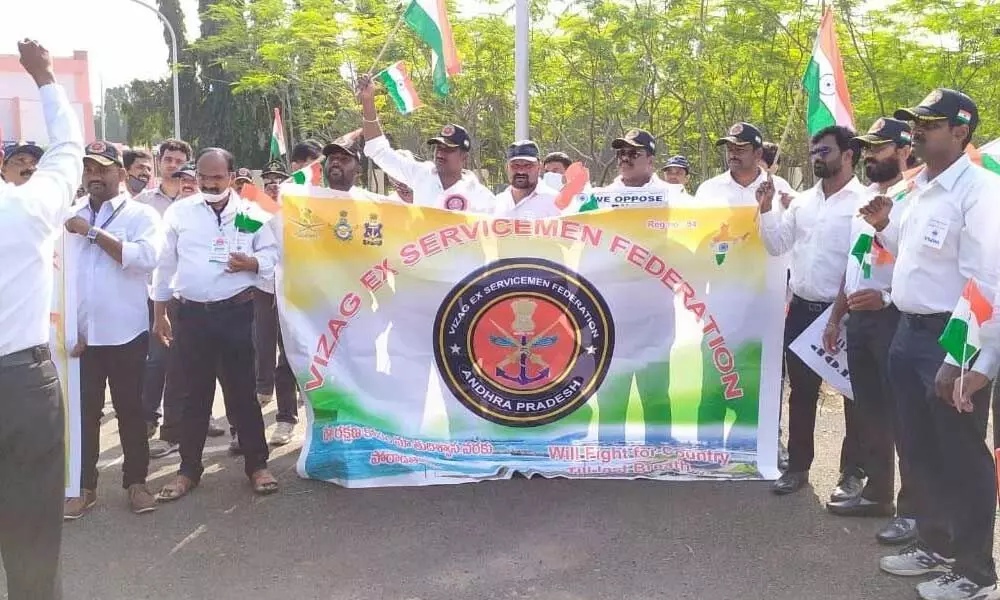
(872, 319)
(19, 162)
(554, 167)
(139, 170)
(636, 185)
(677, 171)
(816, 230)
(32, 464)
(213, 252)
(946, 235)
(527, 197)
(738, 186)
(116, 243)
(441, 183)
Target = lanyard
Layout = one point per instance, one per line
(93, 216)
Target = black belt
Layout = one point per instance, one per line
(28, 356)
(233, 301)
(816, 307)
(937, 320)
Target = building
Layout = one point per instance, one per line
(20, 108)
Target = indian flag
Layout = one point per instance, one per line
(397, 82)
(429, 18)
(862, 249)
(311, 174)
(824, 82)
(278, 148)
(960, 338)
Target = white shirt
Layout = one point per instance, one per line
(817, 231)
(31, 218)
(723, 189)
(156, 198)
(539, 204)
(881, 271)
(111, 297)
(191, 230)
(948, 233)
(467, 194)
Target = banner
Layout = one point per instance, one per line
(62, 336)
(441, 347)
(831, 367)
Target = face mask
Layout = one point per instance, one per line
(215, 198)
(553, 180)
(135, 185)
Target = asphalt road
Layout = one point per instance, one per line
(521, 539)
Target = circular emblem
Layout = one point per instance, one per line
(877, 127)
(447, 130)
(932, 98)
(523, 341)
(456, 202)
(827, 85)
(97, 147)
(343, 230)
(736, 129)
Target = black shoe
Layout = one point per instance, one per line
(782, 457)
(861, 507)
(898, 531)
(790, 482)
(849, 487)
(214, 430)
(783, 465)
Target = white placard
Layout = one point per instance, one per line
(831, 367)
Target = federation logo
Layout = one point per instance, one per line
(447, 130)
(373, 231)
(343, 230)
(877, 127)
(523, 342)
(736, 129)
(308, 226)
(455, 202)
(933, 98)
(96, 147)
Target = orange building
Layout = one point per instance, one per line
(21, 116)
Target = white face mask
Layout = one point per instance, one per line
(553, 180)
(215, 198)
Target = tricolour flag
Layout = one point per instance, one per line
(278, 148)
(960, 337)
(429, 18)
(824, 82)
(396, 82)
(311, 174)
(862, 249)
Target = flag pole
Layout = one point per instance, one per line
(388, 39)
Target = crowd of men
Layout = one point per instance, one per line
(176, 291)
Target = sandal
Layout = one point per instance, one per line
(176, 489)
(263, 482)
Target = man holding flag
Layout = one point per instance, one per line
(945, 238)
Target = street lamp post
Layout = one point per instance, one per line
(522, 22)
(173, 44)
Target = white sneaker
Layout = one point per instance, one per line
(913, 561)
(953, 586)
(282, 433)
(265, 399)
(160, 448)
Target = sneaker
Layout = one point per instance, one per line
(282, 433)
(265, 399)
(915, 560)
(850, 486)
(161, 448)
(214, 430)
(234, 445)
(74, 508)
(140, 499)
(953, 586)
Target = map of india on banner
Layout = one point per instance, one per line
(438, 347)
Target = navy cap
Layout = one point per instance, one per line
(103, 153)
(887, 130)
(452, 136)
(190, 169)
(351, 143)
(29, 149)
(274, 167)
(636, 138)
(941, 104)
(742, 134)
(244, 174)
(678, 161)
(523, 150)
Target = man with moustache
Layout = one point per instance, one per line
(19, 163)
(527, 197)
(738, 186)
(872, 319)
(138, 169)
(946, 235)
(210, 261)
(188, 181)
(816, 230)
(243, 177)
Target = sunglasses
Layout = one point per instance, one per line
(632, 153)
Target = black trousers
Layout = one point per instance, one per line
(803, 398)
(950, 468)
(869, 335)
(32, 476)
(121, 368)
(161, 383)
(210, 340)
(273, 378)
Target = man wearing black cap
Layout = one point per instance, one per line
(273, 175)
(527, 197)
(872, 319)
(188, 181)
(243, 177)
(635, 153)
(677, 171)
(738, 186)
(19, 162)
(441, 183)
(117, 252)
(945, 237)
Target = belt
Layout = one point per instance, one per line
(233, 301)
(816, 307)
(933, 319)
(28, 356)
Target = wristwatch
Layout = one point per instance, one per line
(92, 234)
(886, 298)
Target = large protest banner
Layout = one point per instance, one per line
(439, 347)
(62, 338)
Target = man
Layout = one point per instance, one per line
(946, 236)
(636, 185)
(211, 265)
(172, 155)
(116, 253)
(19, 162)
(738, 186)
(871, 322)
(554, 168)
(273, 175)
(443, 183)
(770, 159)
(32, 465)
(304, 153)
(816, 230)
(188, 181)
(243, 177)
(139, 169)
(527, 197)
(677, 172)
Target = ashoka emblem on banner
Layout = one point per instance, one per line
(523, 341)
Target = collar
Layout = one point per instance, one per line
(232, 205)
(853, 185)
(115, 202)
(949, 177)
(761, 176)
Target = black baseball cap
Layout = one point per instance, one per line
(190, 169)
(941, 104)
(523, 150)
(274, 168)
(244, 174)
(452, 136)
(887, 130)
(350, 143)
(678, 161)
(742, 134)
(103, 153)
(30, 149)
(636, 138)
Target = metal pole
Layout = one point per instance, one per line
(104, 110)
(173, 44)
(522, 21)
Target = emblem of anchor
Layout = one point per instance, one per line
(523, 344)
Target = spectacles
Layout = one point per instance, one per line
(630, 153)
